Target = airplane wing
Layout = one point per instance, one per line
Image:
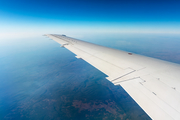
(154, 84)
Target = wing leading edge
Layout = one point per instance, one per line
(154, 84)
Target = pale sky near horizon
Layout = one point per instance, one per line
(19, 18)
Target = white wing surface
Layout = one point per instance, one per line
(154, 84)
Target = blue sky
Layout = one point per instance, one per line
(35, 17)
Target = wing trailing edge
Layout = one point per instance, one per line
(154, 84)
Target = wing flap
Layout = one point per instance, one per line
(147, 100)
